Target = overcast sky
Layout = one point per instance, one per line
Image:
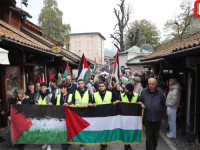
(98, 16)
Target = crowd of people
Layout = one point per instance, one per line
(104, 89)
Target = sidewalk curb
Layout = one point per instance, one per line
(169, 143)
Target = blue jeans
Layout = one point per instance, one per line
(64, 145)
(172, 121)
(81, 145)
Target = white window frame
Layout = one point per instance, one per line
(75, 44)
(75, 52)
(88, 43)
(79, 52)
(79, 43)
(92, 52)
(92, 43)
(88, 52)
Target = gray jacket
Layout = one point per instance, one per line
(155, 108)
(174, 96)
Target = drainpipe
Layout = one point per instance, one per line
(10, 15)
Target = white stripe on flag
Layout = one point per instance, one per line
(48, 124)
(114, 122)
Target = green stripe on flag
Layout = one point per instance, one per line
(107, 136)
(87, 74)
(43, 136)
(65, 73)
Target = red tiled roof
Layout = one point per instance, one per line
(185, 43)
(21, 10)
(12, 33)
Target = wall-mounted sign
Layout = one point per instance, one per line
(56, 49)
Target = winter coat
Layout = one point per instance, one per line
(25, 100)
(137, 86)
(57, 90)
(173, 97)
(155, 108)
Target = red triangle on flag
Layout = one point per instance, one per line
(40, 81)
(19, 123)
(75, 124)
(85, 62)
(50, 76)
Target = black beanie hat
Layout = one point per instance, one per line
(129, 87)
(53, 80)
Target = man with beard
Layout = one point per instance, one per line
(103, 97)
(81, 96)
(44, 97)
(71, 87)
(74, 79)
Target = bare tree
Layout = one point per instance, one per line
(123, 16)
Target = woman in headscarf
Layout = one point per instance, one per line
(138, 86)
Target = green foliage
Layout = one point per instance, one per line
(50, 20)
(148, 34)
(182, 24)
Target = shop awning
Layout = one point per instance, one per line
(4, 57)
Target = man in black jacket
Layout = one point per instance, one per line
(153, 100)
(31, 93)
(71, 87)
(1, 113)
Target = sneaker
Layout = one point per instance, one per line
(44, 146)
(48, 147)
(170, 137)
(167, 134)
(82, 148)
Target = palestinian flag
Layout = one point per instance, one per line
(104, 124)
(116, 68)
(32, 124)
(95, 66)
(66, 70)
(124, 78)
(127, 70)
(83, 72)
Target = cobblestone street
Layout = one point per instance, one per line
(162, 145)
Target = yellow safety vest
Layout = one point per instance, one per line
(107, 99)
(81, 101)
(59, 96)
(43, 102)
(125, 98)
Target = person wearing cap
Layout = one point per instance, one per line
(103, 97)
(20, 99)
(81, 96)
(54, 89)
(138, 86)
(31, 93)
(44, 97)
(131, 97)
(63, 99)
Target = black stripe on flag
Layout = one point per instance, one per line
(41, 111)
(124, 109)
(80, 66)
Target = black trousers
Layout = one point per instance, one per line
(152, 134)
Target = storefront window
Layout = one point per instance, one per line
(38, 72)
(13, 80)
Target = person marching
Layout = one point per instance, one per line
(81, 96)
(44, 97)
(129, 96)
(63, 99)
(103, 97)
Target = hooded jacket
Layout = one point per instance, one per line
(174, 96)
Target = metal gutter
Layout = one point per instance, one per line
(147, 62)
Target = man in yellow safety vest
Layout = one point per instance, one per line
(131, 97)
(103, 97)
(44, 97)
(81, 96)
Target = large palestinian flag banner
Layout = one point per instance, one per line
(84, 125)
(83, 69)
(32, 124)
